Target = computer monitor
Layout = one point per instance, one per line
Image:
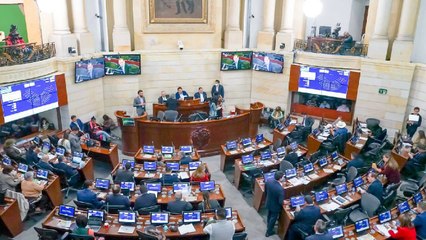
(167, 149)
(297, 201)
(207, 186)
(334, 155)
(294, 146)
(336, 232)
(23, 168)
(60, 151)
(385, 217)
(125, 161)
(324, 31)
(7, 161)
(259, 138)
(191, 216)
(281, 152)
(417, 197)
(102, 184)
(127, 217)
(77, 157)
(150, 166)
(154, 187)
(265, 155)
(403, 207)
(45, 148)
(354, 139)
(321, 196)
(231, 145)
(308, 168)
(42, 174)
(323, 162)
(66, 211)
(36, 140)
(315, 132)
(247, 159)
(174, 166)
(130, 186)
(159, 218)
(105, 144)
(362, 225)
(358, 181)
(228, 212)
(246, 142)
(186, 149)
(268, 176)
(287, 122)
(289, 173)
(341, 189)
(95, 214)
(78, 154)
(148, 149)
(182, 187)
(194, 165)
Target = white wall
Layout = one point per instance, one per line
(94, 24)
(255, 22)
(356, 19)
(419, 51)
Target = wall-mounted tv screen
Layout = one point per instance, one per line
(27, 98)
(123, 64)
(235, 61)
(324, 81)
(268, 62)
(86, 70)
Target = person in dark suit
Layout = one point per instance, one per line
(124, 175)
(356, 161)
(420, 220)
(291, 156)
(145, 199)
(414, 161)
(320, 232)
(163, 98)
(76, 122)
(181, 94)
(172, 104)
(218, 89)
(274, 201)
(88, 196)
(411, 125)
(31, 156)
(201, 95)
(169, 178)
(44, 163)
(178, 205)
(69, 171)
(375, 188)
(304, 219)
(139, 103)
(117, 199)
(185, 160)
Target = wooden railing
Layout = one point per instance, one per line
(330, 46)
(26, 53)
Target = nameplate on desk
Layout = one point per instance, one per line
(359, 145)
(295, 181)
(328, 170)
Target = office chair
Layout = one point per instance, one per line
(388, 199)
(368, 208)
(240, 236)
(347, 177)
(250, 177)
(412, 186)
(339, 217)
(113, 209)
(277, 143)
(327, 147)
(49, 234)
(32, 208)
(73, 236)
(315, 156)
(148, 210)
(70, 182)
(302, 234)
(284, 165)
(170, 115)
(83, 205)
(372, 123)
(145, 236)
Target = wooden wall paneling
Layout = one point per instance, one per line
(293, 84)
(353, 85)
(62, 89)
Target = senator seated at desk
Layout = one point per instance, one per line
(181, 94)
(420, 221)
(201, 95)
(146, 199)
(88, 196)
(375, 188)
(169, 177)
(34, 191)
(8, 180)
(221, 229)
(304, 219)
(117, 199)
(208, 204)
(163, 98)
(178, 205)
(124, 175)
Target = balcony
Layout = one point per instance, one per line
(330, 46)
(25, 53)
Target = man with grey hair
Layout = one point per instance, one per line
(163, 98)
(178, 205)
(33, 191)
(45, 164)
(320, 232)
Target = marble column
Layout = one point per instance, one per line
(120, 32)
(61, 34)
(233, 33)
(286, 33)
(379, 43)
(84, 37)
(402, 48)
(265, 38)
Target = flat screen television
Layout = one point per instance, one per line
(123, 64)
(235, 60)
(268, 62)
(90, 69)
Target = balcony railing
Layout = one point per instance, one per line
(330, 46)
(25, 53)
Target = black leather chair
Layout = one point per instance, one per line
(113, 209)
(49, 234)
(250, 178)
(145, 236)
(73, 236)
(70, 182)
(148, 210)
(368, 208)
(240, 236)
(83, 205)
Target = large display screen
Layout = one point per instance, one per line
(324, 81)
(126, 64)
(268, 62)
(28, 98)
(235, 61)
(87, 70)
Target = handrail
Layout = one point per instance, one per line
(26, 53)
(330, 46)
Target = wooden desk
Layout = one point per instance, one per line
(255, 111)
(239, 168)
(87, 171)
(140, 157)
(230, 156)
(321, 112)
(111, 232)
(128, 133)
(185, 107)
(10, 218)
(355, 148)
(53, 190)
(281, 135)
(99, 153)
(313, 144)
(400, 159)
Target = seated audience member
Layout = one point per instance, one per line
(200, 175)
(340, 129)
(32, 190)
(321, 233)
(118, 199)
(201, 95)
(185, 159)
(65, 142)
(76, 122)
(375, 187)
(88, 196)
(420, 139)
(163, 98)
(12, 151)
(96, 130)
(343, 108)
(304, 219)
(44, 125)
(405, 230)
(82, 229)
(356, 161)
(324, 104)
(181, 94)
(208, 204)
(290, 156)
(108, 124)
(172, 104)
(221, 229)
(276, 117)
(415, 161)
(420, 220)
(178, 205)
(69, 171)
(215, 107)
(390, 169)
(145, 199)
(45, 164)
(8, 179)
(75, 141)
(312, 102)
(169, 178)
(31, 156)
(124, 175)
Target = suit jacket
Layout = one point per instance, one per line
(178, 96)
(376, 188)
(307, 217)
(185, 160)
(75, 143)
(197, 95)
(420, 224)
(161, 100)
(45, 166)
(172, 104)
(178, 206)
(78, 123)
(118, 200)
(324, 236)
(292, 158)
(88, 196)
(13, 153)
(7, 181)
(220, 90)
(274, 196)
(136, 103)
(169, 179)
(31, 157)
(124, 176)
(69, 171)
(145, 200)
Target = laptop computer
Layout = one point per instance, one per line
(336, 232)
(385, 217)
(45, 148)
(403, 207)
(95, 219)
(127, 187)
(247, 159)
(154, 188)
(42, 174)
(362, 226)
(174, 166)
(66, 211)
(321, 196)
(167, 151)
(281, 152)
(127, 219)
(102, 184)
(23, 168)
(207, 186)
(246, 142)
(297, 201)
(268, 176)
(265, 155)
(290, 173)
(186, 149)
(105, 144)
(191, 217)
(148, 149)
(192, 166)
(231, 145)
(159, 218)
(60, 151)
(7, 161)
(259, 138)
(150, 166)
(183, 187)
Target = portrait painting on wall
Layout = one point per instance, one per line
(178, 11)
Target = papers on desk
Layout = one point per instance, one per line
(305, 180)
(365, 130)
(328, 207)
(147, 156)
(261, 145)
(249, 149)
(186, 228)
(337, 167)
(328, 170)
(313, 176)
(285, 132)
(363, 138)
(325, 134)
(295, 181)
(267, 163)
(383, 230)
(64, 224)
(321, 138)
(183, 175)
(365, 237)
(233, 152)
(293, 122)
(51, 156)
(299, 153)
(359, 145)
(363, 125)
(126, 229)
(135, 174)
(101, 195)
(190, 198)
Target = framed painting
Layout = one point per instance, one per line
(178, 11)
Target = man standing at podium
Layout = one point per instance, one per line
(218, 89)
(139, 103)
(201, 95)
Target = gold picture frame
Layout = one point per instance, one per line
(178, 11)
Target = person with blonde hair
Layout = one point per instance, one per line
(405, 230)
(420, 139)
(390, 169)
(200, 175)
